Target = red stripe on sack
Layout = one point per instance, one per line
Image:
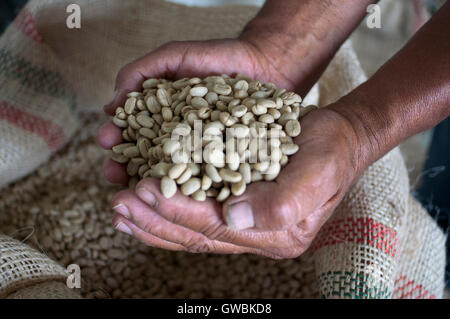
(52, 134)
(25, 23)
(409, 288)
(361, 231)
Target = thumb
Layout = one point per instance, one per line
(266, 206)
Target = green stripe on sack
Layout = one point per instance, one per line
(35, 78)
(352, 285)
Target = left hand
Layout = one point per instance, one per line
(278, 219)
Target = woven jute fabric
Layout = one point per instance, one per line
(366, 250)
(22, 267)
(45, 290)
(379, 243)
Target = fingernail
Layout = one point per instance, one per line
(124, 228)
(123, 210)
(240, 216)
(146, 196)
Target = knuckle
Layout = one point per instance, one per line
(150, 228)
(196, 245)
(176, 217)
(297, 240)
(295, 244)
(214, 231)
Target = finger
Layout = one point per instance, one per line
(163, 62)
(109, 135)
(126, 226)
(255, 209)
(205, 218)
(265, 206)
(115, 173)
(181, 209)
(127, 204)
(142, 215)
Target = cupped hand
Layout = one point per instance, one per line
(278, 219)
(177, 60)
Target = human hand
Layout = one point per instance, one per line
(188, 59)
(278, 219)
(286, 213)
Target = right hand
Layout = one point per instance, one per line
(278, 219)
(176, 60)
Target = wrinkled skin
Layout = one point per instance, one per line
(288, 212)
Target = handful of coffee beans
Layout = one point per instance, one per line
(210, 136)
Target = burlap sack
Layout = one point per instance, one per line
(361, 252)
(45, 290)
(26, 273)
(365, 251)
